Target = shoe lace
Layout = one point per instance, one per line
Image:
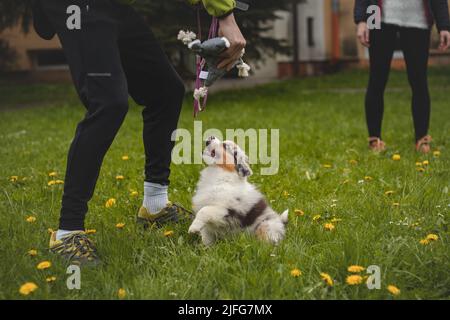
(82, 243)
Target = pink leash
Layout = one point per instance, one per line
(213, 30)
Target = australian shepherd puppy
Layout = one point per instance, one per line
(225, 202)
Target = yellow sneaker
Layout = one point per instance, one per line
(75, 248)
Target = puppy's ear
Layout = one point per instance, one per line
(242, 166)
(284, 217)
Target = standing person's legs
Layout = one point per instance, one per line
(154, 84)
(95, 64)
(382, 46)
(416, 47)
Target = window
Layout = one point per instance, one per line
(310, 28)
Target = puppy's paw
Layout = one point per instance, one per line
(195, 227)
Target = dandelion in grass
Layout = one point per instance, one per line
(299, 212)
(317, 217)
(27, 288)
(32, 252)
(90, 231)
(296, 273)
(355, 269)
(329, 226)
(426, 163)
(44, 265)
(110, 203)
(285, 194)
(393, 290)
(30, 219)
(396, 157)
(327, 166)
(420, 169)
(50, 279)
(396, 204)
(13, 178)
(120, 177)
(432, 237)
(368, 178)
(168, 233)
(354, 280)
(437, 154)
(389, 193)
(327, 278)
(120, 225)
(134, 193)
(125, 158)
(53, 174)
(419, 164)
(335, 220)
(424, 242)
(50, 230)
(121, 293)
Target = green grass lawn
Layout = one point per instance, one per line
(321, 123)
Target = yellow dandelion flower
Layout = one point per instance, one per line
(419, 164)
(59, 181)
(120, 225)
(368, 178)
(125, 158)
(285, 194)
(317, 217)
(396, 204)
(389, 192)
(396, 157)
(420, 169)
(90, 231)
(327, 278)
(13, 178)
(168, 233)
(32, 252)
(329, 226)
(296, 273)
(110, 203)
(134, 193)
(53, 174)
(327, 166)
(426, 163)
(354, 280)
(437, 154)
(28, 288)
(334, 220)
(44, 265)
(121, 293)
(51, 183)
(299, 212)
(30, 219)
(120, 177)
(432, 237)
(50, 230)
(353, 162)
(50, 279)
(424, 242)
(355, 269)
(393, 290)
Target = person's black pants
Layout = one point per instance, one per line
(415, 44)
(113, 54)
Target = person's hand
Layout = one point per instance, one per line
(229, 29)
(445, 40)
(363, 34)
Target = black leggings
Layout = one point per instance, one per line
(113, 54)
(415, 44)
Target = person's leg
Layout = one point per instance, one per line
(95, 64)
(382, 46)
(416, 46)
(154, 84)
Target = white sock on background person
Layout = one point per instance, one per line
(62, 233)
(155, 197)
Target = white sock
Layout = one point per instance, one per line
(62, 233)
(155, 197)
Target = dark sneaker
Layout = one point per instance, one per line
(75, 248)
(171, 213)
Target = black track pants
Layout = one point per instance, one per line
(415, 44)
(114, 54)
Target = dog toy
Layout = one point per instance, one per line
(208, 57)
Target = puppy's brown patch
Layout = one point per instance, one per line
(261, 232)
(227, 162)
